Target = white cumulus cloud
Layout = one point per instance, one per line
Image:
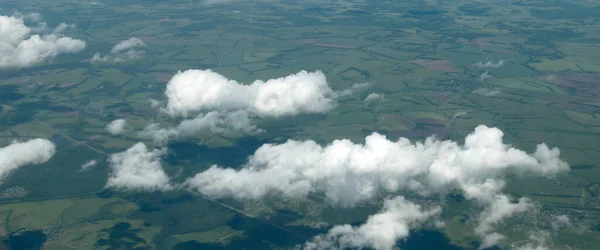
(225, 107)
(349, 173)
(138, 168)
(205, 90)
(22, 46)
(63, 26)
(499, 209)
(18, 154)
(116, 127)
(123, 51)
(381, 231)
(373, 97)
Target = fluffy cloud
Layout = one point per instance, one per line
(373, 97)
(352, 90)
(500, 208)
(349, 173)
(63, 26)
(205, 90)
(124, 51)
(224, 124)
(116, 127)
(484, 76)
(381, 231)
(20, 47)
(88, 165)
(138, 168)
(225, 107)
(561, 221)
(18, 154)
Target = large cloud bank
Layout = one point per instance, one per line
(224, 106)
(18, 154)
(349, 173)
(23, 46)
(127, 50)
(138, 169)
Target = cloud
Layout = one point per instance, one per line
(154, 103)
(20, 47)
(500, 208)
(18, 154)
(63, 26)
(490, 64)
(561, 221)
(484, 76)
(88, 165)
(127, 45)
(380, 231)
(138, 168)
(123, 51)
(373, 97)
(349, 173)
(34, 17)
(205, 90)
(459, 114)
(352, 90)
(223, 124)
(225, 107)
(116, 127)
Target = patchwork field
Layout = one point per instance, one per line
(436, 68)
